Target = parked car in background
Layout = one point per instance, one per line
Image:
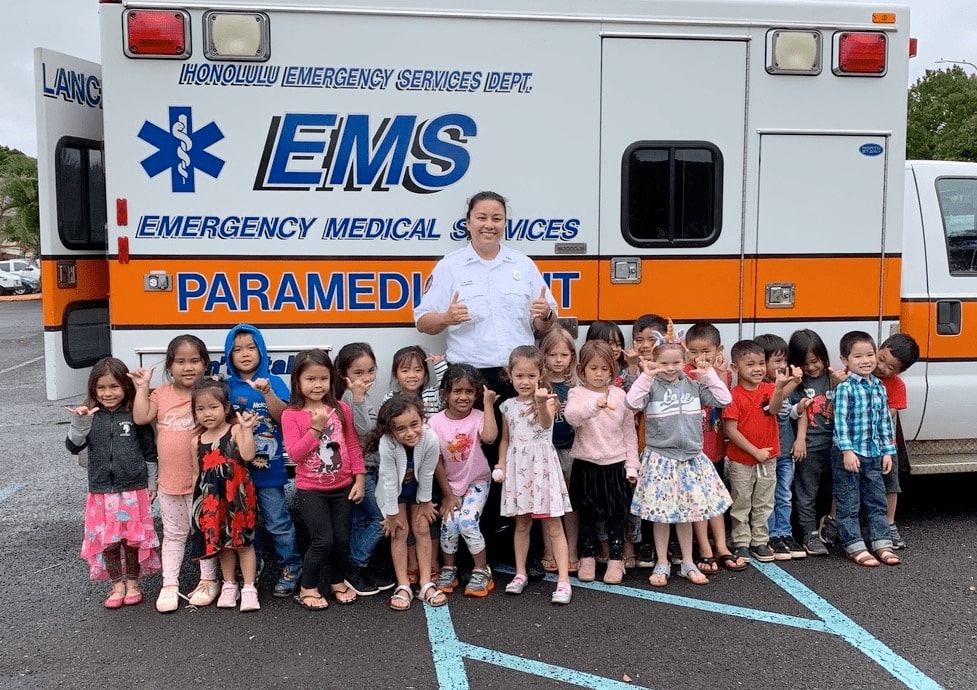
(25, 268)
(11, 284)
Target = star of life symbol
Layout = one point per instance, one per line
(181, 150)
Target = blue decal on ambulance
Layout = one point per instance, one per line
(870, 149)
(181, 150)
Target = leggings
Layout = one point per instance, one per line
(117, 570)
(174, 511)
(328, 515)
(465, 521)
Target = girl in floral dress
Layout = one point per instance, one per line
(529, 468)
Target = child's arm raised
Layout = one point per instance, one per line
(581, 407)
(143, 407)
(547, 406)
(490, 426)
(713, 390)
(273, 401)
(300, 433)
(243, 434)
(81, 426)
(638, 393)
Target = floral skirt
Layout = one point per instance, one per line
(675, 491)
(111, 519)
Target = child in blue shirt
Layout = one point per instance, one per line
(253, 388)
(864, 434)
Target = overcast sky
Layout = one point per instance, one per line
(946, 29)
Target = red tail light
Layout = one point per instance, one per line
(860, 54)
(157, 34)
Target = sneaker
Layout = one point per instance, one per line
(814, 546)
(517, 584)
(829, 531)
(781, 552)
(646, 556)
(743, 552)
(796, 550)
(762, 553)
(249, 599)
(447, 580)
(562, 595)
(674, 553)
(384, 581)
(897, 541)
(205, 593)
(480, 583)
(360, 580)
(228, 597)
(168, 600)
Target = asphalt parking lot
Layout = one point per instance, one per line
(818, 623)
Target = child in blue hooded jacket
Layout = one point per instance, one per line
(253, 388)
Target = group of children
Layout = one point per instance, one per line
(601, 447)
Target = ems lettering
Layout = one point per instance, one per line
(309, 292)
(326, 151)
(72, 87)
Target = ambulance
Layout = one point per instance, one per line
(302, 165)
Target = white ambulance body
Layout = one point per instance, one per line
(301, 166)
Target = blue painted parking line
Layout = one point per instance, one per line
(8, 491)
(450, 652)
(843, 626)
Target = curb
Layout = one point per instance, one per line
(20, 298)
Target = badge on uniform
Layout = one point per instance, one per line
(517, 275)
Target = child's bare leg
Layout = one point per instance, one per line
(228, 559)
(571, 528)
(684, 532)
(717, 525)
(422, 544)
(547, 549)
(398, 549)
(554, 527)
(249, 564)
(435, 552)
(891, 499)
(520, 542)
(661, 531)
(700, 530)
(412, 558)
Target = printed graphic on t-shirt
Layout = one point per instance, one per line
(820, 405)
(673, 404)
(177, 419)
(459, 447)
(326, 462)
(126, 429)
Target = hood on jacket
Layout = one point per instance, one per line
(263, 371)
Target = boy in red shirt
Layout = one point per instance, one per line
(754, 444)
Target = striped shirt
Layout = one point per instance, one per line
(862, 420)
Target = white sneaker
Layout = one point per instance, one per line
(228, 597)
(205, 593)
(249, 599)
(168, 600)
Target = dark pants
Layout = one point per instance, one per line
(113, 562)
(809, 474)
(328, 516)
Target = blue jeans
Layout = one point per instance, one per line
(854, 490)
(366, 532)
(278, 523)
(779, 522)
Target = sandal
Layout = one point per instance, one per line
(659, 575)
(549, 564)
(401, 598)
(888, 556)
(133, 595)
(413, 576)
(574, 567)
(432, 596)
(707, 565)
(863, 558)
(691, 573)
(115, 599)
(344, 596)
(731, 562)
(304, 599)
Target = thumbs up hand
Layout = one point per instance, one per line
(540, 308)
(457, 312)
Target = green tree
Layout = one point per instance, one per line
(20, 222)
(942, 118)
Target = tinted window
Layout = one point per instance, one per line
(671, 194)
(85, 335)
(80, 180)
(958, 206)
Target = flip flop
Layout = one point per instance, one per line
(300, 599)
(549, 564)
(728, 561)
(707, 565)
(693, 574)
(660, 571)
(345, 596)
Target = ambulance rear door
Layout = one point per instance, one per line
(71, 188)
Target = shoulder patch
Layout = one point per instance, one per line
(427, 284)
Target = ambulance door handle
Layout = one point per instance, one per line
(948, 317)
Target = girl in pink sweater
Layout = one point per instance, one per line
(329, 474)
(605, 442)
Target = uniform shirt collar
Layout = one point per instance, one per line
(504, 255)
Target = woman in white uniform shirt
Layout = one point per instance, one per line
(487, 296)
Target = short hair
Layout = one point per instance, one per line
(853, 338)
(703, 330)
(742, 348)
(652, 322)
(771, 344)
(903, 347)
